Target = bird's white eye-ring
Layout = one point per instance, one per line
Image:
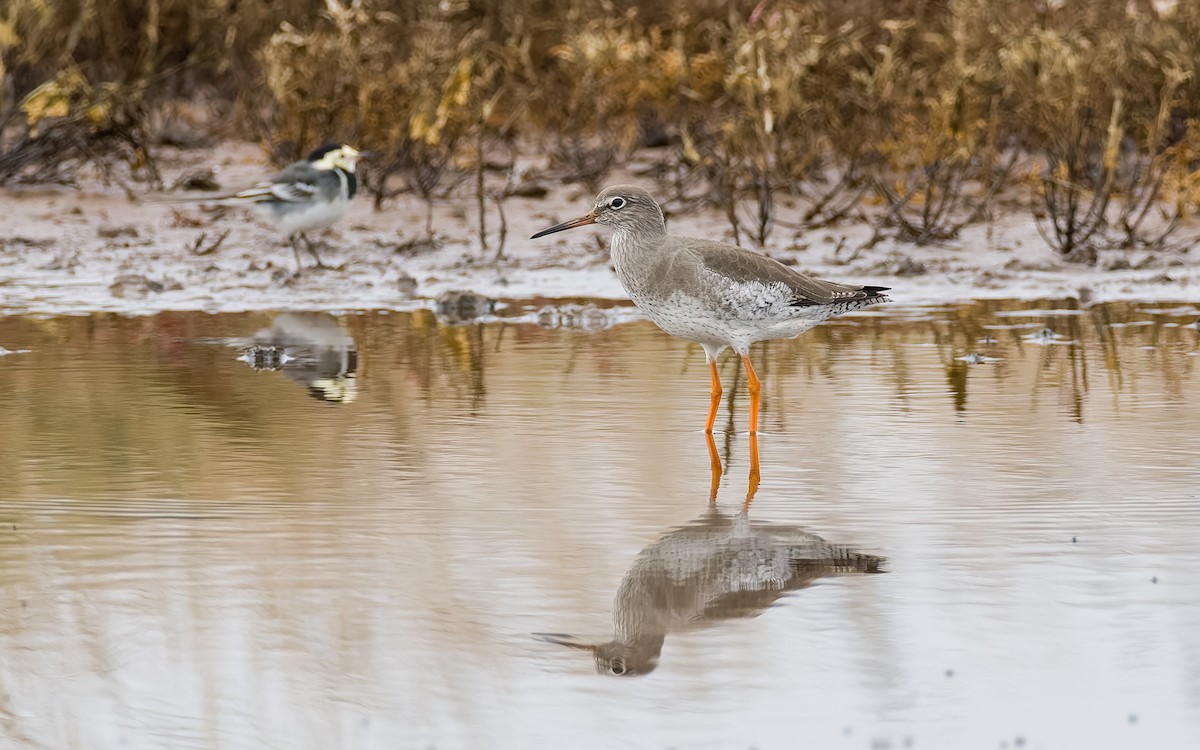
(616, 202)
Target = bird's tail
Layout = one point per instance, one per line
(244, 198)
(835, 559)
(876, 293)
(195, 200)
(851, 561)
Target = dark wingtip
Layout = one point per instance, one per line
(875, 289)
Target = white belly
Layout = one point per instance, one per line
(290, 218)
(686, 318)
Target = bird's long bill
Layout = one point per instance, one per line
(588, 218)
(565, 640)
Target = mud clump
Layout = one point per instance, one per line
(407, 286)
(137, 286)
(459, 306)
(580, 317)
(112, 233)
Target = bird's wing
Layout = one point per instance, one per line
(734, 604)
(296, 184)
(756, 570)
(742, 266)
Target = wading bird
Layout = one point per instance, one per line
(718, 295)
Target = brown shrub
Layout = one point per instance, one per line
(928, 102)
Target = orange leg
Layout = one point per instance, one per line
(755, 389)
(715, 463)
(716, 398)
(755, 473)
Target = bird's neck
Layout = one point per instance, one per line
(642, 648)
(644, 229)
(641, 241)
(350, 180)
(634, 258)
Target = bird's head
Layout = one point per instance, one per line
(333, 156)
(621, 207)
(615, 657)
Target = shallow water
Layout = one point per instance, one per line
(367, 547)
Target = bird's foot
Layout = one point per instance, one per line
(311, 248)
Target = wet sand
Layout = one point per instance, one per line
(101, 247)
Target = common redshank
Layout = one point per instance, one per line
(718, 295)
(719, 567)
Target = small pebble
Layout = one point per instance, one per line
(407, 286)
(137, 286)
(114, 232)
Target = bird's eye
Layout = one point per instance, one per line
(618, 666)
(616, 203)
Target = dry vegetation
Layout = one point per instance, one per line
(913, 114)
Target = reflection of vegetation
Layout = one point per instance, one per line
(108, 402)
(933, 105)
(133, 400)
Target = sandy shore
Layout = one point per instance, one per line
(97, 248)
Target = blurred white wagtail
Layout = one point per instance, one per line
(307, 195)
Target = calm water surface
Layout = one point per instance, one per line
(384, 531)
